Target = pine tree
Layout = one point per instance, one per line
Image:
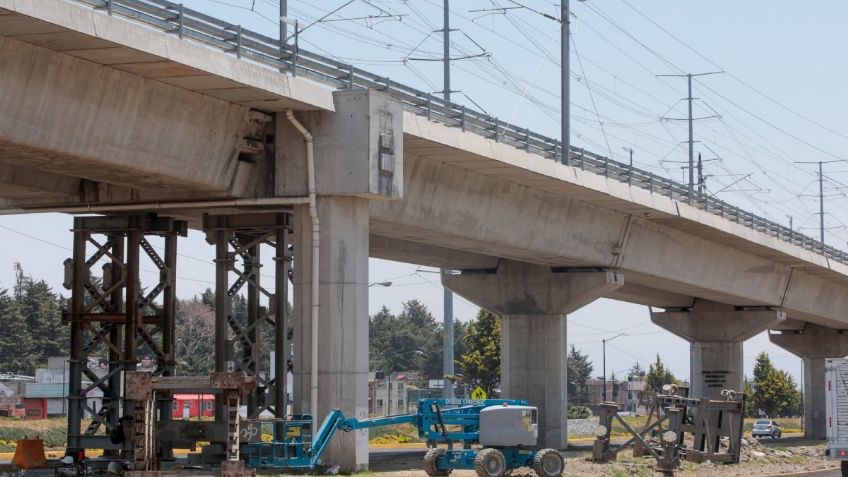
(658, 376)
(16, 350)
(775, 392)
(750, 405)
(42, 310)
(637, 370)
(428, 338)
(579, 372)
(482, 359)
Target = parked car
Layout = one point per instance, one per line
(766, 428)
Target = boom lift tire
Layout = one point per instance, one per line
(844, 468)
(430, 461)
(490, 463)
(548, 463)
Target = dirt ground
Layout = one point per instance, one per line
(758, 459)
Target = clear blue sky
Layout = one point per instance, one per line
(780, 100)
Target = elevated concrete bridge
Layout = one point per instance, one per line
(137, 106)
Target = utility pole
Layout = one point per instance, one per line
(447, 325)
(821, 203)
(446, 57)
(604, 341)
(700, 175)
(691, 120)
(284, 31)
(821, 193)
(565, 67)
(565, 80)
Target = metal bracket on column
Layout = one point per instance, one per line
(579, 269)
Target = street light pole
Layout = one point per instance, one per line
(604, 341)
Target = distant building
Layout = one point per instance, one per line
(12, 388)
(387, 394)
(629, 394)
(188, 406)
(47, 395)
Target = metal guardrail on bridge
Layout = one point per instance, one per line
(186, 23)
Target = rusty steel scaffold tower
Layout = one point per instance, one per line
(112, 316)
(115, 320)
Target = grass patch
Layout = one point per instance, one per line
(618, 473)
(396, 434)
(53, 431)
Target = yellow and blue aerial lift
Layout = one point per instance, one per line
(491, 437)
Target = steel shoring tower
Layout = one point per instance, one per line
(241, 236)
(111, 315)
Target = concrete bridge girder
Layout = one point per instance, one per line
(76, 118)
(533, 303)
(451, 207)
(813, 343)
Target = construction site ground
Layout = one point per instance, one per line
(766, 457)
(759, 458)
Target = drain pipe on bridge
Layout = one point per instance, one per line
(316, 246)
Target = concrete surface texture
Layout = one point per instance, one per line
(358, 148)
(814, 344)
(716, 332)
(533, 303)
(72, 117)
(343, 320)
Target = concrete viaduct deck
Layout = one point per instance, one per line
(100, 113)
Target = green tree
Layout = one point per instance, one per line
(428, 337)
(195, 331)
(775, 393)
(579, 372)
(750, 406)
(658, 376)
(42, 310)
(16, 350)
(482, 358)
(410, 341)
(637, 370)
(459, 348)
(395, 343)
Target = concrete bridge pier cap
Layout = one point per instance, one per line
(716, 332)
(533, 302)
(813, 343)
(358, 158)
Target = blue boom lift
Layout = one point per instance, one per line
(492, 437)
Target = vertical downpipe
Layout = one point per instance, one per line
(316, 248)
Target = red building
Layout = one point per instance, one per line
(35, 408)
(187, 406)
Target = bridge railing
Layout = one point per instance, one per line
(249, 45)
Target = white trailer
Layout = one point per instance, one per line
(836, 402)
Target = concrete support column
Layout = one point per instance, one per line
(716, 332)
(343, 320)
(533, 303)
(813, 343)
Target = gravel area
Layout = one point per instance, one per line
(758, 460)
